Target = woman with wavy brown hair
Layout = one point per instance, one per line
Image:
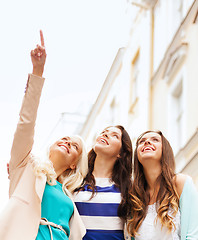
(164, 205)
(103, 199)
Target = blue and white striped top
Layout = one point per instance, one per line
(100, 213)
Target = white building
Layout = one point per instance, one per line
(152, 83)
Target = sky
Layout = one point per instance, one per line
(82, 38)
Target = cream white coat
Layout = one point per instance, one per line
(21, 217)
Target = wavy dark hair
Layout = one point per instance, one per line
(121, 174)
(167, 197)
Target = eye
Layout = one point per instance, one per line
(141, 141)
(75, 146)
(116, 136)
(156, 140)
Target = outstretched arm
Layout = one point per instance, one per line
(24, 135)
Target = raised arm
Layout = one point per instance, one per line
(24, 135)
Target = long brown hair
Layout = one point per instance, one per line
(167, 197)
(121, 174)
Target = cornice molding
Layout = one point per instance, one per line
(176, 41)
(188, 153)
(145, 4)
(174, 61)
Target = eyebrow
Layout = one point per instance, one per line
(150, 137)
(112, 132)
(141, 139)
(66, 138)
(70, 140)
(74, 142)
(116, 133)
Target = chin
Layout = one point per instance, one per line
(97, 147)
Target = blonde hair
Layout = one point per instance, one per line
(71, 179)
(45, 168)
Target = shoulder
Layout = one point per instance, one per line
(180, 180)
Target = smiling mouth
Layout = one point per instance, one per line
(65, 147)
(148, 149)
(103, 141)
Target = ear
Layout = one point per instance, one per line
(118, 156)
(72, 166)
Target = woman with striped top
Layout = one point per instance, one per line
(103, 199)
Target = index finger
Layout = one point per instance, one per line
(42, 38)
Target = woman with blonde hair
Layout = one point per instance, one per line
(40, 206)
(164, 204)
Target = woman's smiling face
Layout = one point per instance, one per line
(109, 142)
(149, 147)
(67, 149)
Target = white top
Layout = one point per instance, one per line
(151, 229)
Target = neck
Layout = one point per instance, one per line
(59, 172)
(151, 174)
(103, 168)
(58, 169)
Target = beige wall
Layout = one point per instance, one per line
(166, 82)
(192, 84)
(159, 106)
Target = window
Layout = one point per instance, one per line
(113, 111)
(177, 104)
(176, 114)
(134, 82)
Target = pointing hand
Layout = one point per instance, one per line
(38, 57)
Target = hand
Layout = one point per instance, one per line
(38, 57)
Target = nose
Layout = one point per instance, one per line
(68, 142)
(147, 141)
(105, 135)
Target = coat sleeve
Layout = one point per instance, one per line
(24, 134)
(189, 211)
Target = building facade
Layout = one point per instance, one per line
(152, 83)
